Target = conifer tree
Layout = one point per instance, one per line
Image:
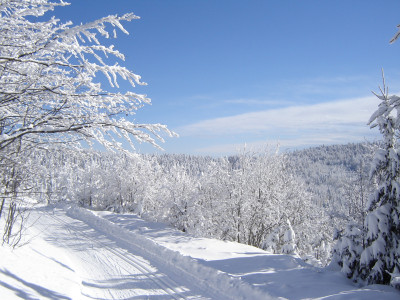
(348, 249)
(380, 260)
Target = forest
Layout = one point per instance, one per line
(254, 197)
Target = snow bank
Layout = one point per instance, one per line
(280, 276)
(219, 284)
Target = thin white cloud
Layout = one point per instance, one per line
(307, 89)
(295, 126)
(258, 102)
(352, 112)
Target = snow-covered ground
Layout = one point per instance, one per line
(73, 253)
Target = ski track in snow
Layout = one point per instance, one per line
(127, 266)
(75, 253)
(97, 259)
(209, 282)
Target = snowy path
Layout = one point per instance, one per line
(74, 253)
(77, 255)
(110, 271)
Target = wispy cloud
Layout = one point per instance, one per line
(258, 102)
(317, 89)
(323, 115)
(294, 126)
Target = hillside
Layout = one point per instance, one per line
(337, 178)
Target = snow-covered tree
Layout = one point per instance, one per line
(347, 250)
(380, 260)
(372, 253)
(50, 91)
(289, 246)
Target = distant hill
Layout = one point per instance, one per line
(337, 176)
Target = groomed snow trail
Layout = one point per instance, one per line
(108, 271)
(112, 263)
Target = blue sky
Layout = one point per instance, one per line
(223, 73)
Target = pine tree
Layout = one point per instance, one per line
(348, 249)
(380, 260)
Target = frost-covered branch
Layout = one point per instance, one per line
(48, 91)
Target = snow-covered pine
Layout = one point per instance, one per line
(380, 260)
(348, 248)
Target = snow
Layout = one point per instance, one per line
(73, 253)
(37, 270)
